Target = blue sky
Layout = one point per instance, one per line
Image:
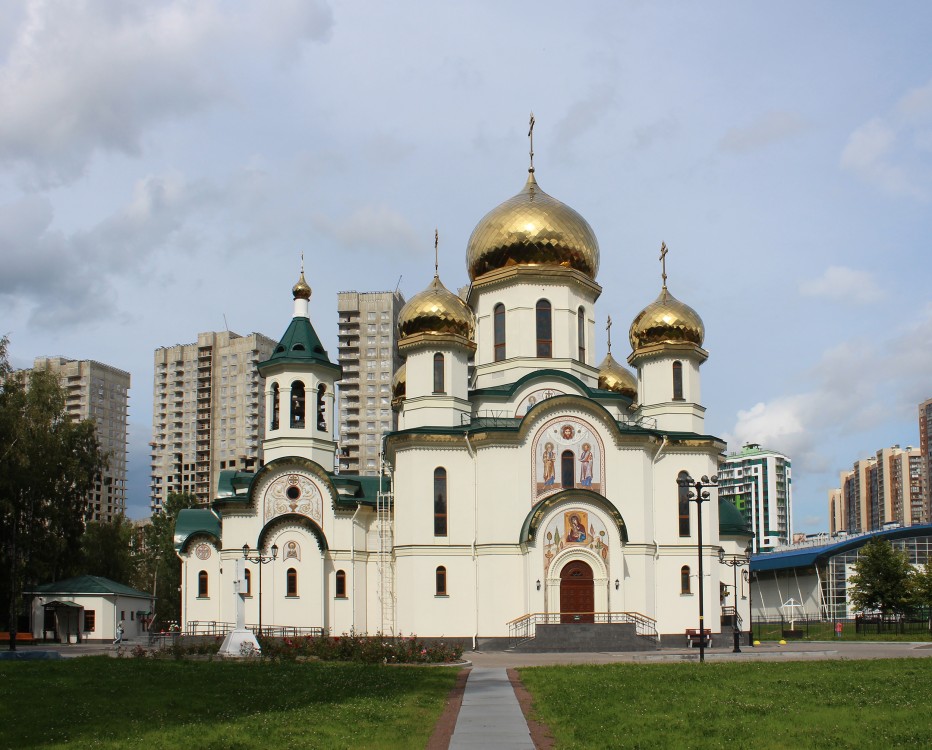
(164, 164)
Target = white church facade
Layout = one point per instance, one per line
(526, 483)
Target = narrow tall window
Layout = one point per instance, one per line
(297, 404)
(202, 590)
(441, 580)
(683, 498)
(90, 620)
(544, 330)
(438, 373)
(440, 502)
(321, 414)
(341, 584)
(291, 586)
(567, 469)
(685, 580)
(581, 333)
(248, 583)
(677, 381)
(275, 407)
(498, 326)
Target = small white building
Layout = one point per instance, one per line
(526, 483)
(87, 609)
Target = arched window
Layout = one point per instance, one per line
(440, 502)
(438, 373)
(291, 585)
(498, 327)
(321, 414)
(544, 330)
(677, 381)
(248, 578)
(341, 584)
(441, 581)
(567, 469)
(685, 580)
(581, 333)
(275, 407)
(683, 502)
(297, 404)
(202, 591)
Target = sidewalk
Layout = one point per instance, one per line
(490, 715)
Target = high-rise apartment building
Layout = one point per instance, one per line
(925, 457)
(100, 393)
(760, 484)
(208, 412)
(884, 489)
(368, 354)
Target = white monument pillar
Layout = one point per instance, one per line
(240, 642)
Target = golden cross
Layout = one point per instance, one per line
(530, 134)
(663, 262)
(436, 255)
(302, 262)
(608, 328)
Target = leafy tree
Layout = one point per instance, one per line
(882, 579)
(48, 466)
(107, 550)
(161, 567)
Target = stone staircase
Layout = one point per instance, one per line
(584, 636)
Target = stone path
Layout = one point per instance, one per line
(490, 716)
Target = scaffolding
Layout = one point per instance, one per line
(385, 521)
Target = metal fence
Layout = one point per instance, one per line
(816, 628)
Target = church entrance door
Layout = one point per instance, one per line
(577, 593)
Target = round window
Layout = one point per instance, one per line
(293, 493)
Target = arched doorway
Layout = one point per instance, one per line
(577, 592)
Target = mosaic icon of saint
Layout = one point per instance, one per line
(585, 465)
(550, 458)
(577, 530)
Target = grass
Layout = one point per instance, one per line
(117, 703)
(824, 704)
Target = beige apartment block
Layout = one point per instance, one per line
(100, 393)
(208, 413)
(368, 354)
(925, 458)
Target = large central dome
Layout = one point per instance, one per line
(532, 229)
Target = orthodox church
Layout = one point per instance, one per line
(525, 487)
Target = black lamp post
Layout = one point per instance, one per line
(260, 559)
(734, 562)
(698, 494)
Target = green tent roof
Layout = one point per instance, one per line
(300, 345)
(195, 521)
(730, 520)
(87, 585)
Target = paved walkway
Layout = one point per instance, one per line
(490, 716)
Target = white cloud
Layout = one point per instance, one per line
(841, 284)
(82, 77)
(767, 129)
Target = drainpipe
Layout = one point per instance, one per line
(353, 563)
(475, 534)
(653, 510)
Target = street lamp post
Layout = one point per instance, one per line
(698, 494)
(260, 559)
(734, 562)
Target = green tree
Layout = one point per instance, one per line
(48, 466)
(882, 579)
(107, 550)
(161, 567)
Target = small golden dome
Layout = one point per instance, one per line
(302, 289)
(436, 310)
(617, 378)
(399, 386)
(666, 320)
(532, 229)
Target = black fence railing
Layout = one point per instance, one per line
(818, 628)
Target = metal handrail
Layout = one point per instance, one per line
(524, 628)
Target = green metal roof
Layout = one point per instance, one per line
(300, 345)
(730, 520)
(193, 521)
(508, 389)
(87, 585)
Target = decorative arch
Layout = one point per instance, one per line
(598, 565)
(534, 520)
(566, 444)
(199, 536)
(285, 465)
(293, 519)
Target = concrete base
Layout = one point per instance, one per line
(580, 637)
(239, 644)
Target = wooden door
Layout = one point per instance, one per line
(577, 592)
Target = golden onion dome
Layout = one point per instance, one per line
(436, 310)
(302, 289)
(532, 229)
(399, 386)
(617, 378)
(666, 320)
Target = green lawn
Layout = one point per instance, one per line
(824, 704)
(118, 703)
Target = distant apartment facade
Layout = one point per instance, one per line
(208, 413)
(760, 484)
(884, 489)
(368, 354)
(925, 451)
(100, 393)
